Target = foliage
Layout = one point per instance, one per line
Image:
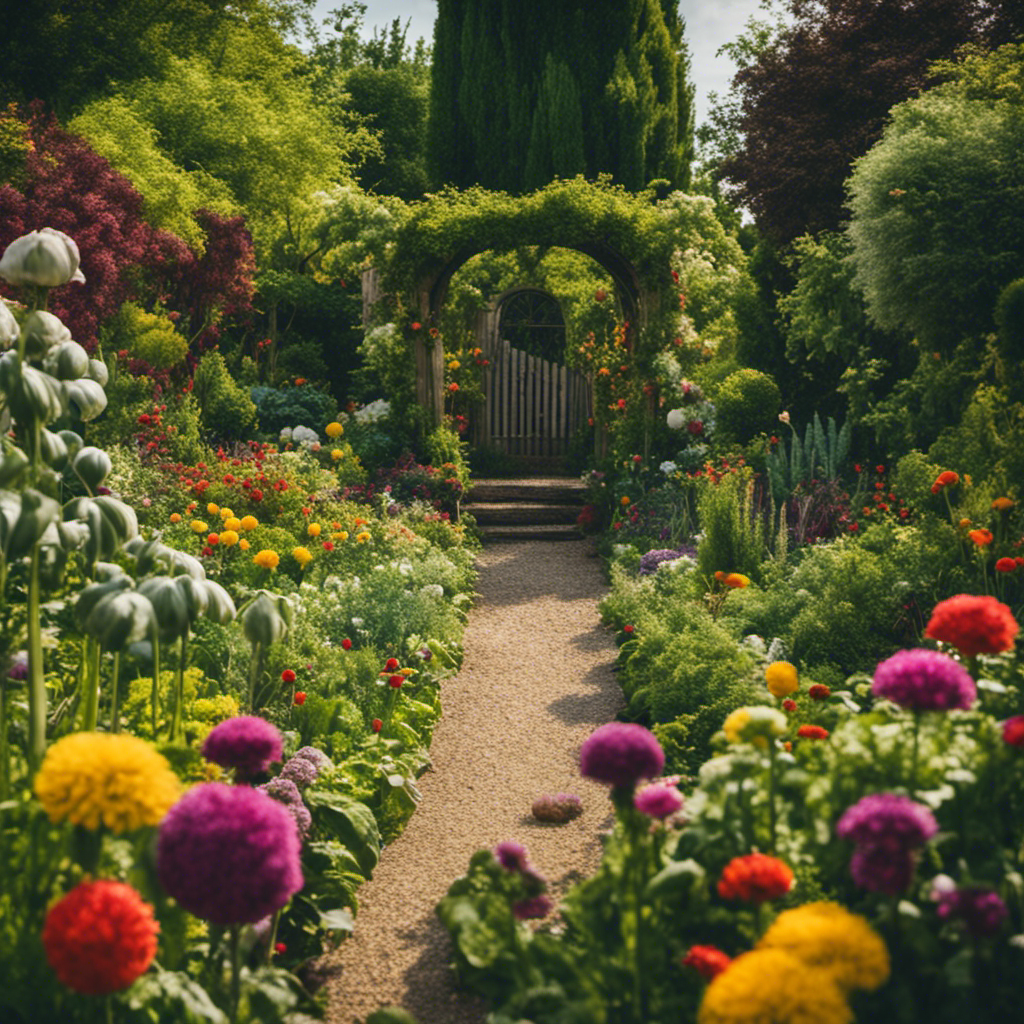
(517, 113)
(732, 526)
(226, 410)
(820, 451)
(943, 171)
(746, 404)
(303, 404)
(147, 336)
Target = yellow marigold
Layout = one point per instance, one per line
(755, 724)
(243, 545)
(363, 537)
(303, 556)
(340, 535)
(212, 509)
(334, 429)
(228, 538)
(233, 523)
(198, 526)
(1003, 504)
(454, 365)
(782, 678)
(337, 454)
(736, 580)
(734, 725)
(770, 985)
(827, 936)
(226, 513)
(267, 559)
(94, 779)
(249, 523)
(314, 529)
(175, 517)
(964, 523)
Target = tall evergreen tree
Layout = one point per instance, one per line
(603, 88)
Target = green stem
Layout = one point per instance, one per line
(36, 678)
(389, 711)
(273, 936)
(255, 672)
(108, 1004)
(5, 753)
(177, 707)
(771, 797)
(154, 696)
(91, 697)
(235, 971)
(115, 696)
(913, 756)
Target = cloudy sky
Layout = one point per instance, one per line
(709, 23)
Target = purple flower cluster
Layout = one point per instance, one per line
(512, 856)
(981, 910)
(659, 800)
(229, 854)
(886, 829)
(924, 680)
(247, 743)
(300, 771)
(649, 562)
(620, 754)
(532, 907)
(286, 793)
(314, 755)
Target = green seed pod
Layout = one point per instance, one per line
(267, 619)
(92, 466)
(120, 619)
(169, 606)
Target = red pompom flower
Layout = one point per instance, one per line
(755, 878)
(300, 698)
(973, 624)
(707, 961)
(812, 732)
(288, 676)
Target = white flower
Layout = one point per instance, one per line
(432, 590)
(676, 419)
(357, 622)
(47, 258)
(376, 410)
(668, 467)
(286, 435)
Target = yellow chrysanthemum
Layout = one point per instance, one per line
(734, 725)
(233, 523)
(303, 556)
(226, 513)
(267, 559)
(334, 429)
(244, 545)
(454, 365)
(212, 508)
(314, 529)
(249, 523)
(755, 724)
(363, 537)
(228, 538)
(93, 779)
(827, 936)
(198, 526)
(337, 454)
(781, 678)
(341, 535)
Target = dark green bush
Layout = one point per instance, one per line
(226, 409)
(305, 405)
(747, 403)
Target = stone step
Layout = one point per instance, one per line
(507, 512)
(553, 492)
(529, 532)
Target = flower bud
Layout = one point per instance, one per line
(43, 331)
(46, 258)
(9, 329)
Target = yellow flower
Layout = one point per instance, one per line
(770, 985)
(228, 538)
(341, 535)
(303, 556)
(198, 526)
(363, 537)
(734, 725)
(454, 365)
(243, 545)
(828, 936)
(232, 523)
(93, 779)
(212, 508)
(782, 678)
(964, 524)
(266, 559)
(624, 500)
(226, 513)
(249, 523)
(334, 429)
(755, 724)
(337, 454)
(175, 517)
(313, 529)
(1003, 504)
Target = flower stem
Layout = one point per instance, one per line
(179, 692)
(154, 694)
(771, 798)
(115, 696)
(91, 697)
(36, 678)
(913, 757)
(236, 968)
(255, 672)
(5, 753)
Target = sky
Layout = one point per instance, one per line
(709, 24)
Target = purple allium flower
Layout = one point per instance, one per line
(229, 854)
(19, 666)
(512, 856)
(301, 771)
(649, 563)
(285, 792)
(246, 743)
(890, 822)
(981, 910)
(924, 680)
(315, 756)
(621, 753)
(658, 800)
(879, 869)
(535, 906)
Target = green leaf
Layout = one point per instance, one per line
(176, 992)
(679, 874)
(351, 822)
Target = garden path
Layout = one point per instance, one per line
(536, 681)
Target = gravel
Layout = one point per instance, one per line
(536, 681)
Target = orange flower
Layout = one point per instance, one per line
(973, 624)
(175, 517)
(1003, 504)
(755, 878)
(736, 580)
(947, 478)
(981, 537)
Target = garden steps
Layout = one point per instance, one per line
(541, 508)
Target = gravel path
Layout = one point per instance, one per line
(536, 681)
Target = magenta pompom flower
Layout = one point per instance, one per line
(512, 856)
(879, 869)
(247, 743)
(229, 854)
(924, 680)
(658, 800)
(620, 754)
(286, 793)
(980, 910)
(887, 820)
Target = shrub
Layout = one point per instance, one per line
(747, 403)
(277, 408)
(732, 525)
(1010, 320)
(227, 411)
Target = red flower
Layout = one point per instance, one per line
(982, 538)
(288, 676)
(629, 629)
(213, 539)
(973, 624)
(377, 725)
(280, 948)
(395, 682)
(100, 937)
(1006, 565)
(789, 705)
(228, 479)
(346, 644)
(879, 469)
(328, 545)
(812, 732)
(947, 478)
(819, 692)
(300, 698)
(755, 878)
(416, 325)
(707, 961)
(391, 664)
(1013, 731)
(256, 494)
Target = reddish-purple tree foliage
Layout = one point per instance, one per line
(817, 98)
